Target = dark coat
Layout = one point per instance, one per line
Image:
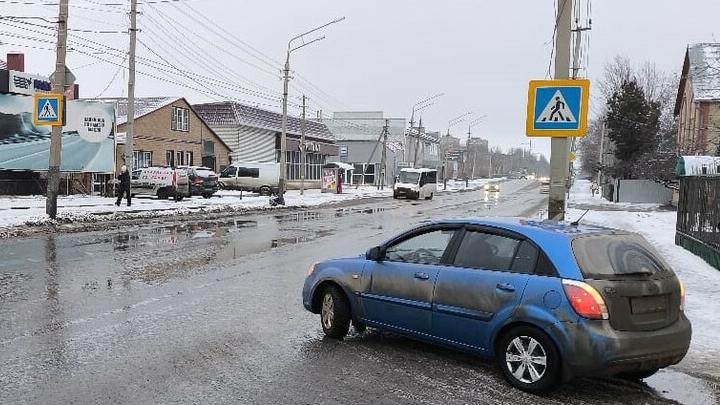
(124, 180)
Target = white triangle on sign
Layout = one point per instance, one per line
(48, 112)
(557, 110)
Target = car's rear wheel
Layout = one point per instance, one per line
(335, 313)
(265, 191)
(162, 194)
(529, 360)
(638, 375)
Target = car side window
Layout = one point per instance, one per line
(229, 172)
(480, 250)
(525, 258)
(426, 248)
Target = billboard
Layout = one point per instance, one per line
(87, 139)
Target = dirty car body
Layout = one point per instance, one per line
(549, 301)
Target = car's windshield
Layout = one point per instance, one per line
(611, 255)
(409, 177)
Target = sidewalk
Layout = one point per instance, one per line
(30, 210)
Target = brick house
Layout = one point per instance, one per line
(167, 132)
(697, 106)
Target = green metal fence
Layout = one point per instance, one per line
(698, 217)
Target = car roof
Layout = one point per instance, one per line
(533, 228)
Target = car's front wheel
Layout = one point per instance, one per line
(529, 360)
(335, 313)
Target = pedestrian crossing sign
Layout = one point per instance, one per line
(557, 108)
(48, 109)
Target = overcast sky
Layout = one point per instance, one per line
(386, 55)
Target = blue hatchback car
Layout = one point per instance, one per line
(549, 301)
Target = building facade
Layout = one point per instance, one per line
(254, 136)
(168, 132)
(697, 106)
(359, 135)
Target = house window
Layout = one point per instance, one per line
(180, 158)
(189, 158)
(170, 158)
(313, 165)
(142, 159)
(180, 119)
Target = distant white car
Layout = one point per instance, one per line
(492, 186)
(162, 182)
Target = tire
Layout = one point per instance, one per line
(180, 197)
(265, 191)
(638, 375)
(207, 195)
(221, 186)
(430, 197)
(162, 194)
(518, 370)
(395, 196)
(359, 327)
(334, 313)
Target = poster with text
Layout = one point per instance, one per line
(87, 137)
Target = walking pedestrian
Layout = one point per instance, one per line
(124, 179)
(594, 188)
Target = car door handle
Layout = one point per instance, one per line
(505, 287)
(422, 276)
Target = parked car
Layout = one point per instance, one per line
(203, 181)
(492, 186)
(263, 178)
(158, 181)
(549, 301)
(416, 184)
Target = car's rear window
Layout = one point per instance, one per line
(612, 255)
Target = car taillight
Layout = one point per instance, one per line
(682, 296)
(585, 300)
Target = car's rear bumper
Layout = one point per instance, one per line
(595, 348)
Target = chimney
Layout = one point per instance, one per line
(16, 61)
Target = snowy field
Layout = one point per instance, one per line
(702, 281)
(30, 210)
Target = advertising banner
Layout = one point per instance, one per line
(329, 180)
(87, 140)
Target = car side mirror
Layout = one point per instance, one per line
(375, 254)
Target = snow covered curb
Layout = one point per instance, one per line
(21, 216)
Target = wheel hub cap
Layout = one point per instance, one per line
(328, 311)
(526, 359)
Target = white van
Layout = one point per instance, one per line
(158, 181)
(416, 184)
(263, 178)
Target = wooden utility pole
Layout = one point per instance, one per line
(53, 178)
(383, 160)
(560, 147)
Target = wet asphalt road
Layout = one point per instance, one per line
(211, 312)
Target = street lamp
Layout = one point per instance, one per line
(286, 77)
(472, 125)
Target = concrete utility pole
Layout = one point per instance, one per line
(53, 179)
(302, 148)
(560, 147)
(383, 160)
(129, 127)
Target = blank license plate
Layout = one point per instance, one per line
(648, 305)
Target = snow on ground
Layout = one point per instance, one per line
(30, 210)
(702, 281)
